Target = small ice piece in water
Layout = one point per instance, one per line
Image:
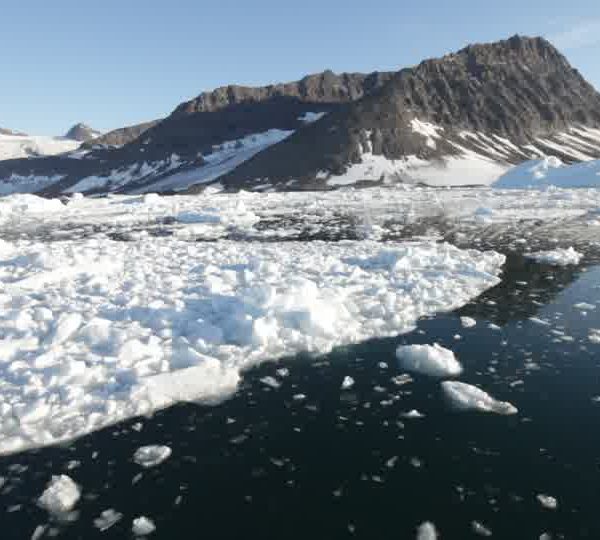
(584, 306)
(547, 501)
(61, 495)
(556, 257)
(468, 322)
(412, 414)
(272, 382)
(38, 532)
(435, 361)
(151, 456)
(107, 519)
(143, 526)
(480, 529)
(427, 531)
(466, 397)
(347, 383)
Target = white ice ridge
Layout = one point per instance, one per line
(551, 171)
(466, 397)
(93, 331)
(557, 257)
(435, 361)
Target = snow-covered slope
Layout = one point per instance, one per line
(551, 171)
(24, 146)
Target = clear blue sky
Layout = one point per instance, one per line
(112, 63)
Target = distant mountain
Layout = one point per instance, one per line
(122, 136)
(82, 133)
(4, 131)
(465, 116)
(461, 119)
(201, 140)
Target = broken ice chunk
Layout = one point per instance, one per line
(547, 501)
(347, 383)
(143, 526)
(468, 322)
(151, 456)
(435, 361)
(61, 495)
(466, 397)
(427, 531)
(107, 519)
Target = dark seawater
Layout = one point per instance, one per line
(346, 464)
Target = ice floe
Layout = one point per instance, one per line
(466, 397)
(468, 322)
(547, 501)
(61, 495)
(557, 257)
(151, 456)
(427, 531)
(96, 331)
(107, 519)
(433, 360)
(142, 526)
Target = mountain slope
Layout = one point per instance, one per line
(82, 133)
(495, 104)
(461, 119)
(122, 136)
(190, 142)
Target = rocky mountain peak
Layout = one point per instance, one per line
(82, 133)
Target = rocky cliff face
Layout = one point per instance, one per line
(82, 133)
(521, 90)
(326, 87)
(122, 136)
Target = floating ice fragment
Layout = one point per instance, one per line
(272, 382)
(107, 519)
(414, 414)
(584, 306)
(547, 501)
(151, 456)
(435, 361)
(61, 495)
(143, 526)
(468, 322)
(347, 383)
(427, 531)
(556, 257)
(480, 529)
(466, 397)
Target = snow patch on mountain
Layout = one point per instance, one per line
(26, 146)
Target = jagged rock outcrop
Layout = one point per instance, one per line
(521, 90)
(82, 133)
(122, 136)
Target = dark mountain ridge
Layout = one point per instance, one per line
(503, 103)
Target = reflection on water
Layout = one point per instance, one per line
(307, 459)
